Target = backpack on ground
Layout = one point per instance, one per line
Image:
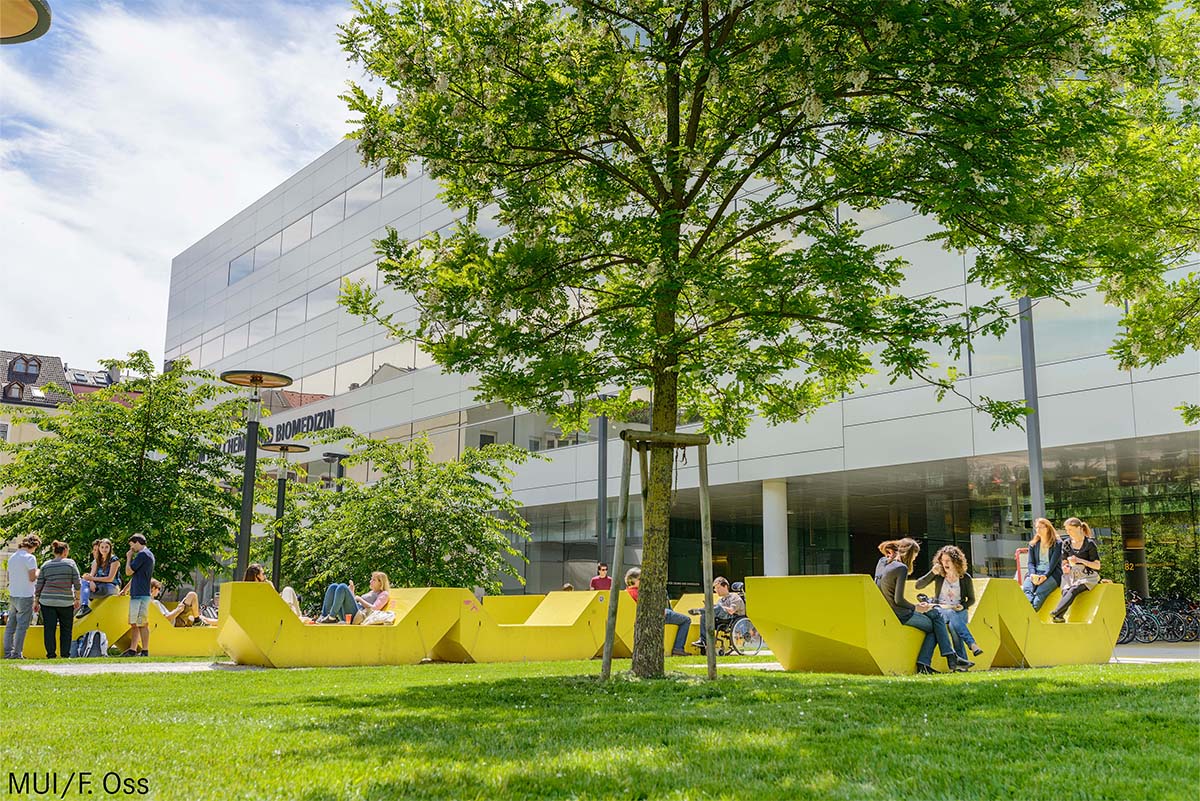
(90, 645)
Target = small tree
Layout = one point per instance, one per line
(424, 523)
(673, 181)
(144, 456)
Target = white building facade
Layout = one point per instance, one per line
(810, 497)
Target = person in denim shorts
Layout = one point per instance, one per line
(139, 566)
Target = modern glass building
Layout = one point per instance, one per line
(809, 497)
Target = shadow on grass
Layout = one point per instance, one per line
(764, 736)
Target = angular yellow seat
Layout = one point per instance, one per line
(564, 625)
(843, 624)
(511, 608)
(110, 614)
(168, 640)
(258, 628)
(1031, 639)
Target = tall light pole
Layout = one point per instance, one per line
(333, 458)
(280, 500)
(257, 380)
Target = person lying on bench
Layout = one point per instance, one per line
(186, 614)
(341, 603)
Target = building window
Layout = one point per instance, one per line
(13, 391)
(3, 432)
(27, 365)
(487, 438)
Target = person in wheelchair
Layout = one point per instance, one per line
(727, 606)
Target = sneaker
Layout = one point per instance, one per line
(327, 619)
(83, 612)
(964, 665)
(678, 652)
(976, 650)
(698, 644)
(129, 652)
(143, 653)
(924, 670)
(1058, 618)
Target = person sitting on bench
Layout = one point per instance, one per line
(341, 602)
(633, 580)
(186, 614)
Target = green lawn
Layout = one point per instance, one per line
(553, 730)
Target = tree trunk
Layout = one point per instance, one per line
(656, 517)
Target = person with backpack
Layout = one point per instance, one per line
(139, 566)
(22, 581)
(103, 580)
(57, 595)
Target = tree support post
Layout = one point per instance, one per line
(643, 440)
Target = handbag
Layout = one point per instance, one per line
(380, 617)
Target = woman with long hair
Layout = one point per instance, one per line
(1045, 563)
(57, 593)
(1081, 565)
(104, 577)
(923, 615)
(954, 592)
(341, 602)
(888, 549)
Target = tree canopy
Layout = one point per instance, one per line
(676, 187)
(143, 455)
(424, 523)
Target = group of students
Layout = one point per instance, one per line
(60, 593)
(1072, 562)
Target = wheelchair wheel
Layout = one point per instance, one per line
(745, 637)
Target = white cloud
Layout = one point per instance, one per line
(148, 126)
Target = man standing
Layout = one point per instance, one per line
(727, 604)
(22, 574)
(139, 566)
(601, 581)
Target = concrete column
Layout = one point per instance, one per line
(775, 527)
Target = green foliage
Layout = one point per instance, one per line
(143, 456)
(1173, 558)
(424, 523)
(676, 187)
(552, 731)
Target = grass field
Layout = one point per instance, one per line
(553, 730)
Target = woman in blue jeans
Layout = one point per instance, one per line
(1045, 564)
(341, 603)
(954, 593)
(923, 616)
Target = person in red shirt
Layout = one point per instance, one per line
(601, 581)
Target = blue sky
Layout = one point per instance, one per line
(130, 131)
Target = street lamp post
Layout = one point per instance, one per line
(332, 458)
(257, 380)
(280, 499)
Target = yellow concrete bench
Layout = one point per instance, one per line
(1031, 639)
(564, 625)
(110, 614)
(258, 628)
(511, 608)
(843, 624)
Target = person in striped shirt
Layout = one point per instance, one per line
(57, 593)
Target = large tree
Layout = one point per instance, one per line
(143, 455)
(676, 185)
(424, 523)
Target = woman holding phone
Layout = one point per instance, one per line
(1081, 566)
(923, 615)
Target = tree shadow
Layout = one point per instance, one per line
(767, 735)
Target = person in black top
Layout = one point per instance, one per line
(923, 616)
(1081, 570)
(1045, 564)
(888, 549)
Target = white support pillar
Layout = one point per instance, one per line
(775, 527)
